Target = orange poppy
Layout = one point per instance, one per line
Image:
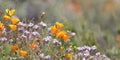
(14, 48)
(1, 26)
(58, 25)
(32, 45)
(13, 27)
(14, 20)
(23, 53)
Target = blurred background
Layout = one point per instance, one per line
(99, 19)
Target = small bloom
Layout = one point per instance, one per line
(33, 45)
(6, 17)
(61, 48)
(66, 37)
(3, 39)
(41, 55)
(23, 53)
(1, 26)
(13, 27)
(14, 48)
(58, 25)
(42, 24)
(61, 34)
(10, 12)
(69, 55)
(14, 20)
(30, 24)
(35, 27)
(54, 30)
(43, 13)
(48, 57)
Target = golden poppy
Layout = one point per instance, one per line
(61, 34)
(32, 45)
(58, 25)
(69, 55)
(14, 48)
(54, 30)
(13, 27)
(1, 26)
(14, 20)
(10, 12)
(6, 17)
(23, 53)
(66, 37)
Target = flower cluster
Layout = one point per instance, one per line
(59, 34)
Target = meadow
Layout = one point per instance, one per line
(59, 30)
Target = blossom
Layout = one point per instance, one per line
(14, 20)
(58, 25)
(61, 48)
(13, 27)
(1, 26)
(69, 55)
(23, 53)
(10, 12)
(14, 48)
(6, 17)
(65, 37)
(54, 30)
(33, 45)
(61, 34)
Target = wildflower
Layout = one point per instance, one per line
(6, 17)
(48, 57)
(33, 45)
(42, 24)
(23, 53)
(3, 39)
(61, 48)
(1, 26)
(14, 48)
(47, 39)
(41, 55)
(10, 12)
(69, 55)
(56, 42)
(24, 36)
(30, 24)
(61, 34)
(14, 20)
(43, 13)
(13, 27)
(65, 37)
(93, 47)
(54, 30)
(58, 25)
(35, 27)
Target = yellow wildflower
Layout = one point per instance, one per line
(23, 53)
(13, 27)
(61, 48)
(10, 12)
(1, 26)
(43, 13)
(58, 25)
(6, 17)
(14, 20)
